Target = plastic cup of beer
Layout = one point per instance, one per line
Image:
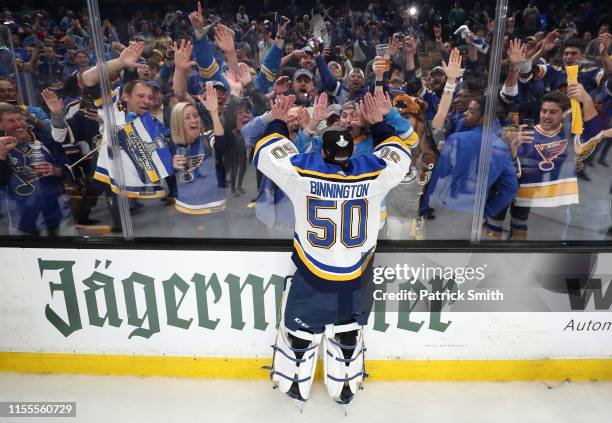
(382, 50)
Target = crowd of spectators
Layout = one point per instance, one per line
(190, 93)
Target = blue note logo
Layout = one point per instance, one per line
(549, 152)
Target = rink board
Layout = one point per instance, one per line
(213, 314)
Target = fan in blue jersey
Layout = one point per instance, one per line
(549, 156)
(589, 75)
(31, 191)
(194, 161)
(336, 200)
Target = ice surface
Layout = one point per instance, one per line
(111, 399)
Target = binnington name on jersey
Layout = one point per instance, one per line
(332, 190)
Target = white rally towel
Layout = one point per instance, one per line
(318, 29)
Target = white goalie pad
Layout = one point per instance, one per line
(339, 370)
(291, 364)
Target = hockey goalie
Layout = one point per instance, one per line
(336, 200)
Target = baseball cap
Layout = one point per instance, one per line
(438, 69)
(197, 85)
(357, 70)
(218, 84)
(302, 72)
(337, 143)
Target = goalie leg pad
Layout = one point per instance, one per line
(344, 360)
(295, 362)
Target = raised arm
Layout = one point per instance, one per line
(328, 80)
(259, 100)
(410, 47)
(605, 40)
(588, 105)
(379, 67)
(210, 103)
(547, 45)
(128, 58)
(202, 50)
(269, 68)
(182, 67)
(59, 127)
(225, 41)
(516, 54)
(452, 71)
(472, 50)
(440, 46)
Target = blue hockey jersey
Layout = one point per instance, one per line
(198, 188)
(554, 76)
(31, 203)
(548, 165)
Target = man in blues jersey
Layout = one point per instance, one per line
(589, 75)
(31, 190)
(549, 159)
(336, 200)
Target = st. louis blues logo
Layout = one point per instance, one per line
(191, 164)
(24, 173)
(549, 152)
(411, 176)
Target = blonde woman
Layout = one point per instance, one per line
(198, 192)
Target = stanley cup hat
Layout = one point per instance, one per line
(337, 143)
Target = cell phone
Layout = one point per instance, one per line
(529, 122)
(87, 103)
